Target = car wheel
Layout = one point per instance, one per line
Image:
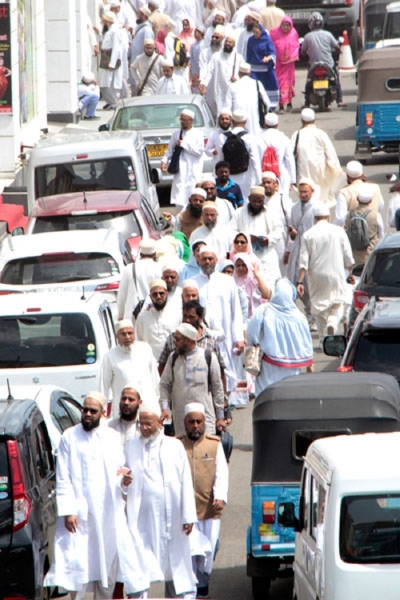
(260, 588)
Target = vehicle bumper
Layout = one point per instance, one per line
(17, 573)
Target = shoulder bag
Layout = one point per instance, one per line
(173, 167)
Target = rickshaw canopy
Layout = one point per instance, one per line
(379, 75)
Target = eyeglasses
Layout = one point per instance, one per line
(92, 411)
(158, 294)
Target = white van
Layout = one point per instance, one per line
(348, 544)
(67, 163)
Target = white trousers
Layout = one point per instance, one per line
(99, 592)
(330, 317)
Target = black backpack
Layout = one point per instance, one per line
(235, 152)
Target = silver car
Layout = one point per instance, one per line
(156, 117)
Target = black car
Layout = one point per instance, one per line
(27, 500)
(374, 344)
(380, 276)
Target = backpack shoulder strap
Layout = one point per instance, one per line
(366, 213)
(134, 274)
(173, 359)
(207, 355)
(241, 133)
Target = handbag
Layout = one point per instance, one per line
(262, 109)
(252, 360)
(173, 167)
(105, 59)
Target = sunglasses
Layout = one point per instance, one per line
(92, 411)
(158, 294)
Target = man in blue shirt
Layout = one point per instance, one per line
(226, 187)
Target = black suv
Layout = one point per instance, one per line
(27, 500)
(374, 344)
(380, 276)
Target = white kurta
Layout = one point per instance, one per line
(190, 163)
(136, 364)
(174, 85)
(153, 326)
(253, 174)
(112, 41)
(223, 68)
(243, 95)
(280, 206)
(325, 253)
(302, 219)
(179, 10)
(144, 31)
(242, 40)
(216, 140)
(220, 238)
(128, 430)
(139, 70)
(88, 487)
(131, 292)
(159, 502)
(284, 153)
(316, 159)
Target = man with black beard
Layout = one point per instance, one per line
(218, 236)
(190, 218)
(210, 482)
(127, 423)
(217, 138)
(245, 32)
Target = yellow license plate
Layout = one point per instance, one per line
(320, 85)
(157, 150)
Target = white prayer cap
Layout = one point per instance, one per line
(231, 34)
(122, 324)
(94, 395)
(188, 113)
(150, 409)
(147, 247)
(197, 242)
(271, 119)
(172, 265)
(194, 407)
(239, 116)
(307, 115)
(87, 77)
(197, 191)
(210, 204)
(109, 16)
(200, 28)
(145, 11)
(187, 331)
(365, 193)
(190, 283)
(115, 3)
(130, 385)
(148, 42)
(270, 175)
(253, 6)
(208, 249)
(254, 15)
(321, 210)
(307, 181)
(244, 68)
(225, 111)
(158, 283)
(257, 190)
(220, 29)
(220, 13)
(167, 63)
(354, 169)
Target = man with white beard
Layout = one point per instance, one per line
(160, 504)
(130, 360)
(92, 545)
(217, 236)
(223, 70)
(281, 144)
(217, 137)
(242, 95)
(207, 53)
(147, 70)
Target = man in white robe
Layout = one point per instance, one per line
(281, 205)
(190, 160)
(217, 236)
(92, 546)
(129, 360)
(242, 95)
(160, 505)
(171, 83)
(224, 207)
(143, 31)
(250, 20)
(208, 52)
(218, 18)
(147, 70)
(127, 424)
(325, 253)
(178, 10)
(111, 78)
(316, 157)
(217, 138)
(276, 139)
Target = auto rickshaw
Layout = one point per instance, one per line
(378, 102)
(374, 16)
(287, 417)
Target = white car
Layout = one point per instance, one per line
(58, 340)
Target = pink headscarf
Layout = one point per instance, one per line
(249, 283)
(286, 44)
(249, 250)
(159, 41)
(187, 37)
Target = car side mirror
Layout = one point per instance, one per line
(357, 270)
(286, 516)
(18, 231)
(104, 127)
(155, 176)
(334, 345)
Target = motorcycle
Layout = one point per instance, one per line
(322, 86)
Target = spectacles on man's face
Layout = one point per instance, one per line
(92, 411)
(210, 187)
(157, 294)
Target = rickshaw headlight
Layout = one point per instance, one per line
(268, 511)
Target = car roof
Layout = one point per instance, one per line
(31, 392)
(94, 142)
(14, 414)
(389, 241)
(44, 302)
(383, 314)
(101, 201)
(160, 99)
(393, 7)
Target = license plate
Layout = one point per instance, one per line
(320, 85)
(299, 15)
(156, 150)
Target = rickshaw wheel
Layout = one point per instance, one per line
(260, 588)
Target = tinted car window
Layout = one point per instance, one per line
(59, 268)
(5, 492)
(383, 269)
(378, 350)
(155, 116)
(44, 455)
(124, 222)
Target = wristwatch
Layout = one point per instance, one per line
(299, 282)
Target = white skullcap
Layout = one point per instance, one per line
(220, 29)
(207, 249)
(87, 77)
(210, 204)
(171, 265)
(158, 283)
(307, 181)
(199, 192)
(194, 407)
(187, 331)
(307, 115)
(122, 324)
(200, 28)
(321, 210)
(258, 190)
(151, 409)
(244, 68)
(167, 63)
(226, 111)
(239, 116)
(94, 395)
(145, 11)
(115, 3)
(220, 13)
(130, 385)
(253, 5)
(271, 119)
(365, 193)
(270, 175)
(148, 41)
(188, 113)
(190, 283)
(254, 15)
(147, 247)
(231, 34)
(109, 16)
(354, 169)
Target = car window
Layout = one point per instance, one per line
(43, 455)
(106, 319)
(59, 413)
(124, 222)
(59, 268)
(73, 409)
(148, 215)
(383, 268)
(378, 350)
(155, 116)
(85, 176)
(51, 340)
(5, 492)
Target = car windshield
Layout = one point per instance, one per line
(155, 116)
(378, 350)
(51, 340)
(392, 26)
(85, 176)
(383, 269)
(59, 268)
(370, 529)
(124, 222)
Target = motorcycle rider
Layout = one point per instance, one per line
(319, 45)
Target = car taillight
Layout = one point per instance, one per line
(369, 119)
(107, 287)
(360, 299)
(345, 369)
(320, 71)
(21, 502)
(268, 512)
(5, 292)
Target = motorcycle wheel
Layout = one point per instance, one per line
(322, 103)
